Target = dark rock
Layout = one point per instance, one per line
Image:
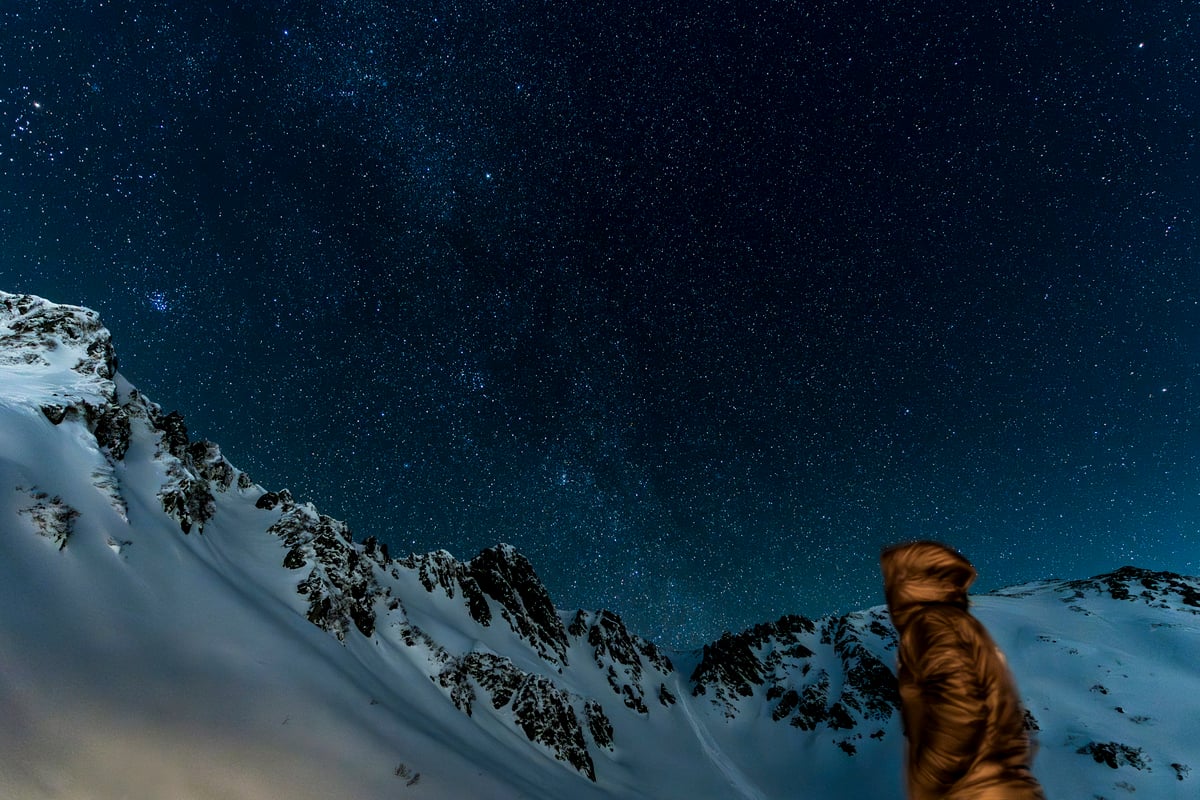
(731, 663)
(35, 324)
(1115, 755)
(210, 465)
(545, 713)
(112, 430)
(295, 558)
(268, 501)
(377, 552)
(623, 655)
(186, 498)
(1157, 589)
(441, 570)
(870, 687)
(51, 517)
(341, 586)
(174, 433)
(507, 577)
(806, 708)
(598, 724)
(776, 656)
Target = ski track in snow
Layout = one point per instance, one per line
(736, 778)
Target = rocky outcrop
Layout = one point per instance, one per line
(869, 695)
(843, 687)
(269, 501)
(184, 495)
(194, 470)
(734, 664)
(1115, 754)
(624, 658)
(50, 516)
(340, 585)
(440, 570)
(502, 576)
(32, 331)
(546, 714)
(35, 332)
(507, 577)
(1157, 589)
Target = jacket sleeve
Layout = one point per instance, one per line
(953, 706)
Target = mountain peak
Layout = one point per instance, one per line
(507, 577)
(62, 354)
(150, 582)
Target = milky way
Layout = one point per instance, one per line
(697, 305)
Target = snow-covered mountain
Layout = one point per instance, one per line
(170, 629)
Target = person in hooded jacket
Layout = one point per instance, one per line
(963, 718)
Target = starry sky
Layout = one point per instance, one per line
(698, 305)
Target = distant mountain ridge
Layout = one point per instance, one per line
(571, 702)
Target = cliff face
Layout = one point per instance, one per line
(194, 577)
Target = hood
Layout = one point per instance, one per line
(920, 573)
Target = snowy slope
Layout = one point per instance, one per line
(170, 629)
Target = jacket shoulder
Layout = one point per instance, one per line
(941, 625)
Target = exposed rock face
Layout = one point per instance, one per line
(441, 570)
(623, 656)
(501, 583)
(546, 713)
(36, 332)
(1115, 755)
(732, 667)
(598, 724)
(502, 576)
(187, 495)
(869, 692)
(32, 329)
(507, 577)
(51, 517)
(780, 656)
(1157, 589)
(340, 586)
(269, 500)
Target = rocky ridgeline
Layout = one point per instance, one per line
(501, 584)
(546, 713)
(507, 577)
(440, 570)
(33, 329)
(827, 675)
(37, 333)
(340, 585)
(348, 585)
(624, 658)
(779, 663)
(1157, 589)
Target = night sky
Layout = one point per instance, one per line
(698, 305)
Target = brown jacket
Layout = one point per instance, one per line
(962, 715)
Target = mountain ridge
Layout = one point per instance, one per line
(547, 687)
